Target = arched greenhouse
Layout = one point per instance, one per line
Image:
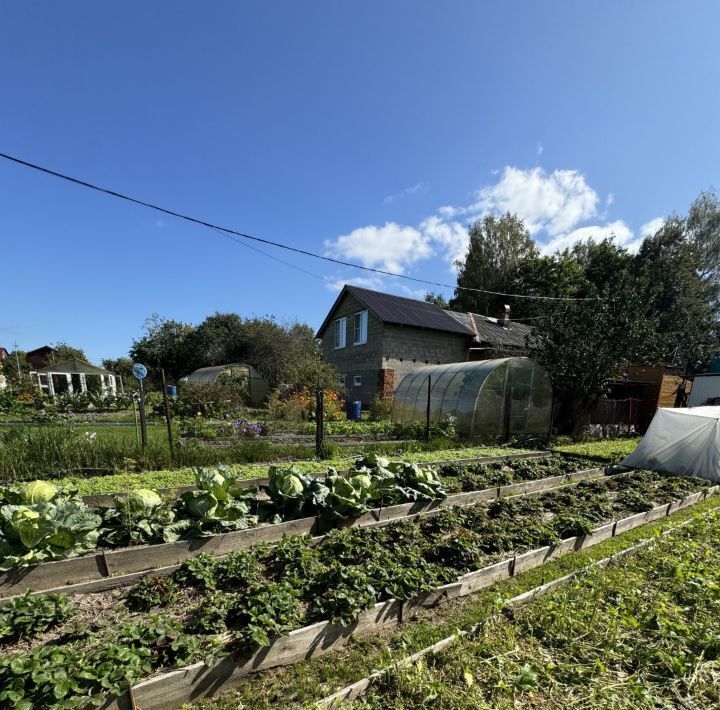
(257, 384)
(488, 398)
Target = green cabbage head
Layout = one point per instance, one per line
(201, 504)
(39, 492)
(361, 481)
(287, 483)
(143, 500)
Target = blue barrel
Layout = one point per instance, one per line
(171, 390)
(354, 411)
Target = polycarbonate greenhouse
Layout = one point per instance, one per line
(257, 385)
(476, 394)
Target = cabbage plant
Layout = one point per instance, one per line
(294, 494)
(46, 530)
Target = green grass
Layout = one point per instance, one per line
(308, 681)
(609, 449)
(184, 476)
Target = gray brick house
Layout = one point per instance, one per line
(374, 339)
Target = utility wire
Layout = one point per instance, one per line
(234, 233)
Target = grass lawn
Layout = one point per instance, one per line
(608, 449)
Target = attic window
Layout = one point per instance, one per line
(340, 329)
(360, 321)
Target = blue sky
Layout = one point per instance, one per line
(374, 131)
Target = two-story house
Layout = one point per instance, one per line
(374, 339)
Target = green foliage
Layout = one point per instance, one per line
(210, 616)
(344, 592)
(58, 525)
(26, 616)
(150, 592)
(238, 570)
(199, 571)
(264, 611)
(497, 247)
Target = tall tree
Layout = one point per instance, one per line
(703, 226)
(437, 298)
(680, 294)
(497, 248)
(63, 351)
(163, 344)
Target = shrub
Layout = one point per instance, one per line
(381, 407)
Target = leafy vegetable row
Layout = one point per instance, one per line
(40, 521)
(255, 595)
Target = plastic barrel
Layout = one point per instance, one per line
(354, 411)
(171, 390)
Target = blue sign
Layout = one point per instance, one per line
(140, 371)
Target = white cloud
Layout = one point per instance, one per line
(622, 234)
(391, 247)
(540, 149)
(406, 191)
(451, 237)
(650, 228)
(554, 202)
(374, 282)
(610, 199)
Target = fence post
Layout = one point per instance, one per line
(427, 412)
(320, 421)
(143, 418)
(167, 414)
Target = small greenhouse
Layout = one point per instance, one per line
(488, 398)
(685, 442)
(257, 384)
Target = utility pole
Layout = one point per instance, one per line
(17, 359)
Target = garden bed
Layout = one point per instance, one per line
(408, 564)
(116, 567)
(580, 646)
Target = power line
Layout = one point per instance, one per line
(227, 231)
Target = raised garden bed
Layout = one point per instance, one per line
(473, 546)
(111, 568)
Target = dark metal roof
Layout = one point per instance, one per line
(75, 367)
(488, 330)
(401, 311)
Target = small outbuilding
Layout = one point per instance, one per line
(488, 398)
(685, 442)
(257, 384)
(72, 376)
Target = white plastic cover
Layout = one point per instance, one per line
(681, 441)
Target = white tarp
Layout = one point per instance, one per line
(681, 441)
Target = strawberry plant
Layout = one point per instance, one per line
(199, 571)
(150, 592)
(27, 616)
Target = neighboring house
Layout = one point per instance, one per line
(40, 357)
(4, 354)
(374, 339)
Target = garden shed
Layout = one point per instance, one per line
(72, 376)
(489, 398)
(681, 441)
(257, 384)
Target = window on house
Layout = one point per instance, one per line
(340, 328)
(360, 321)
(357, 381)
(342, 380)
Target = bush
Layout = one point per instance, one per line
(299, 405)
(381, 407)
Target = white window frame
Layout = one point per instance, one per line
(340, 329)
(342, 380)
(363, 315)
(357, 381)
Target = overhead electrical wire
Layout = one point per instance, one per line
(233, 234)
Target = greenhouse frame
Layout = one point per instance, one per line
(489, 398)
(257, 384)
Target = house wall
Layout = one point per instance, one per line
(364, 360)
(390, 353)
(406, 348)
